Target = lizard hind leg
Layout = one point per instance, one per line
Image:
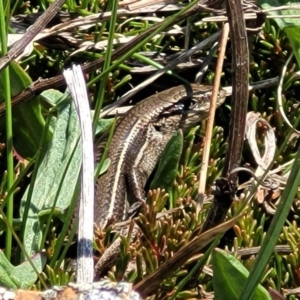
(136, 196)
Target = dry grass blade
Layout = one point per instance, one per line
(76, 85)
(131, 5)
(18, 47)
(210, 122)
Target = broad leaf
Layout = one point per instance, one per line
(56, 178)
(51, 96)
(168, 163)
(28, 122)
(22, 276)
(229, 277)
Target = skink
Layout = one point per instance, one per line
(140, 139)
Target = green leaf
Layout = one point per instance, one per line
(56, 178)
(25, 273)
(291, 26)
(168, 163)
(229, 277)
(22, 276)
(51, 96)
(105, 166)
(293, 34)
(28, 126)
(28, 122)
(102, 124)
(18, 78)
(282, 22)
(5, 271)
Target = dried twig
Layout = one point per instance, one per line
(38, 26)
(226, 186)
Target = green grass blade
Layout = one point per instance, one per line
(9, 144)
(107, 62)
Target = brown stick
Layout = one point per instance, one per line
(226, 186)
(210, 122)
(240, 68)
(32, 31)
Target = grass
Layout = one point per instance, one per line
(162, 238)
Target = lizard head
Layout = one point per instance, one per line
(189, 109)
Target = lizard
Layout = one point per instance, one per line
(137, 144)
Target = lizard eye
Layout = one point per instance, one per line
(186, 104)
(178, 107)
(181, 107)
